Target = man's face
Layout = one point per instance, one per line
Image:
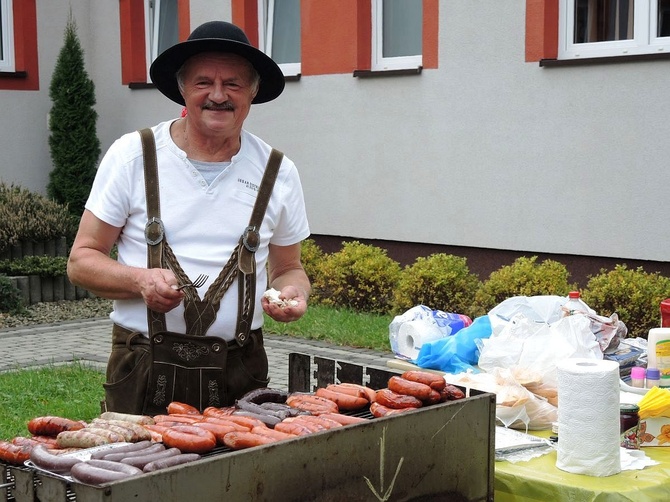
(218, 90)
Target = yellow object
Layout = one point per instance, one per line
(655, 403)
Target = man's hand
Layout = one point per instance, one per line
(157, 286)
(292, 305)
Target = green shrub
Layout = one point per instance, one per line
(359, 276)
(524, 277)
(44, 266)
(311, 256)
(25, 215)
(439, 281)
(633, 294)
(10, 296)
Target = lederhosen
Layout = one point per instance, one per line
(145, 374)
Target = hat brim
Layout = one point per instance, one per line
(164, 68)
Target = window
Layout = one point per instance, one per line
(279, 33)
(162, 27)
(397, 32)
(601, 28)
(6, 36)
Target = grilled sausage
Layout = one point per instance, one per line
(140, 431)
(80, 439)
(219, 430)
(189, 439)
(451, 393)
(266, 418)
(175, 407)
(127, 448)
(127, 417)
(379, 410)
(98, 472)
(392, 399)
(242, 440)
(344, 419)
(314, 404)
(52, 426)
(183, 458)
(149, 450)
(433, 380)
(265, 395)
(273, 433)
(344, 402)
(42, 458)
(142, 460)
(15, 454)
(369, 393)
(295, 428)
(409, 388)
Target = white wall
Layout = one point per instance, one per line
(487, 151)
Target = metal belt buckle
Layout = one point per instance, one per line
(251, 232)
(147, 231)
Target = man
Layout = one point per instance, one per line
(209, 170)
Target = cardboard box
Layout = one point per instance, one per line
(654, 431)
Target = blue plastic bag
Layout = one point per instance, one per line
(456, 353)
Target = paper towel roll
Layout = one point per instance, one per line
(413, 334)
(588, 417)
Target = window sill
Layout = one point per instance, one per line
(387, 73)
(604, 60)
(13, 74)
(141, 85)
(292, 78)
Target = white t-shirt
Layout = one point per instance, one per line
(203, 222)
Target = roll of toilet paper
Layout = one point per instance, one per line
(413, 334)
(588, 417)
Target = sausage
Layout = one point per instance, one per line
(98, 472)
(260, 410)
(175, 407)
(42, 458)
(51, 426)
(15, 454)
(451, 393)
(409, 387)
(184, 419)
(189, 439)
(379, 410)
(346, 389)
(434, 398)
(392, 399)
(80, 439)
(142, 460)
(108, 434)
(229, 423)
(141, 433)
(219, 430)
(308, 424)
(283, 408)
(265, 395)
(344, 402)
(248, 422)
(370, 393)
(272, 433)
(218, 412)
(344, 419)
(182, 458)
(126, 434)
(127, 417)
(149, 450)
(433, 380)
(50, 441)
(127, 448)
(267, 419)
(295, 428)
(326, 422)
(313, 404)
(241, 440)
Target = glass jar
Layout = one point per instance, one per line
(630, 423)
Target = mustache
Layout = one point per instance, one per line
(225, 106)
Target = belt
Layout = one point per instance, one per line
(129, 338)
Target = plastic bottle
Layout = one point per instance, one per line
(574, 305)
(637, 376)
(665, 313)
(658, 350)
(653, 378)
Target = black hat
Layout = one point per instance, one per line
(216, 36)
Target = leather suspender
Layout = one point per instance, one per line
(200, 314)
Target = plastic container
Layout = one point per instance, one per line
(637, 375)
(665, 313)
(574, 305)
(665, 382)
(658, 350)
(653, 378)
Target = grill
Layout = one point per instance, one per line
(441, 452)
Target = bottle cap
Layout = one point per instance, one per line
(652, 374)
(637, 373)
(573, 294)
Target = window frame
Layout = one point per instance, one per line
(152, 18)
(265, 33)
(379, 62)
(644, 39)
(7, 60)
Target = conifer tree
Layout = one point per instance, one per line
(73, 141)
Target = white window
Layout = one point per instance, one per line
(162, 27)
(279, 33)
(397, 34)
(602, 28)
(6, 36)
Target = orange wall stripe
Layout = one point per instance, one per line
(363, 35)
(184, 16)
(245, 15)
(133, 46)
(431, 29)
(25, 48)
(541, 30)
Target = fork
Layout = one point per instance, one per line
(199, 281)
